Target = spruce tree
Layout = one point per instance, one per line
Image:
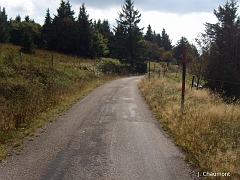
(47, 23)
(106, 31)
(158, 40)
(149, 34)
(63, 29)
(46, 30)
(15, 32)
(27, 18)
(131, 35)
(84, 33)
(18, 18)
(224, 57)
(4, 27)
(99, 45)
(28, 45)
(64, 11)
(166, 42)
(178, 49)
(103, 27)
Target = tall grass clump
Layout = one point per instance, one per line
(209, 129)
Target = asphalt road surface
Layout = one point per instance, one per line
(110, 134)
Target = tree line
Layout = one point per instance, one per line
(79, 36)
(85, 37)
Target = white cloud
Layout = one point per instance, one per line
(175, 25)
(111, 14)
(19, 7)
(166, 6)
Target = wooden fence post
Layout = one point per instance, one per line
(149, 69)
(21, 60)
(52, 63)
(193, 78)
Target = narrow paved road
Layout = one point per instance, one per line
(110, 134)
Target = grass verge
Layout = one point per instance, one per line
(209, 130)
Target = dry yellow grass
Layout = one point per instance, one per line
(209, 130)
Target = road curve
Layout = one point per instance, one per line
(110, 134)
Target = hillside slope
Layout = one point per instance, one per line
(37, 86)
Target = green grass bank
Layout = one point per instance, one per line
(37, 88)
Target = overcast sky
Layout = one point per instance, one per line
(178, 17)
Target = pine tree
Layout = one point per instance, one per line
(149, 35)
(18, 18)
(166, 42)
(4, 27)
(85, 40)
(28, 41)
(47, 23)
(27, 18)
(127, 29)
(64, 11)
(158, 40)
(119, 49)
(106, 31)
(99, 45)
(63, 30)
(46, 30)
(224, 56)
(178, 49)
(15, 32)
(103, 27)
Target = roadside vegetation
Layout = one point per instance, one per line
(209, 129)
(45, 83)
(41, 86)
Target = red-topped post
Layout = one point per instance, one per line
(183, 77)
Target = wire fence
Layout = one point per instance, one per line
(229, 82)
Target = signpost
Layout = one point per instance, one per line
(183, 78)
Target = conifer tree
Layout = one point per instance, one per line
(64, 11)
(131, 35)
(103, 27)
(84, 33)
(224, 57)
(149, 34)
(178, 49)
(18, 18)
(46, 29)
(63, 29)
(166, 42)
(4, 27)
(158, 40)
(47, 22)
(99, 46)
(15, 32)
(27, 18)
(28, 45)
